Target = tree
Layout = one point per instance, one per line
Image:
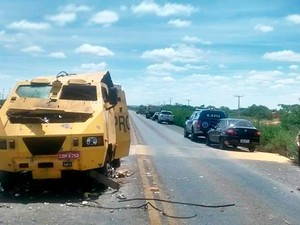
(258, 112)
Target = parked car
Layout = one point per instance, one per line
(165, 116)
(155, 116)
(234, 132)
(201, 121)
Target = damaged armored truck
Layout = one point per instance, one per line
(49, 125)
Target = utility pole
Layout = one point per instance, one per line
(170, 101)
(188, 101)
(239, 103)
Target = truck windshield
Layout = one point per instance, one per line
(74, 92)
(36, 91)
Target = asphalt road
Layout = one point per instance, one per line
(264, 188)
(240, 187)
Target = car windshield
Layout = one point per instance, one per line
(167, 113)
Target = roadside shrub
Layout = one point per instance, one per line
(276, 139)
(180, 113)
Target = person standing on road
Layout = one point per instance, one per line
(298, 144)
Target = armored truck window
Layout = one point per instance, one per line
(83, 93)
(34, 91)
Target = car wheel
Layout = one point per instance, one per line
(207, 141)
(185, 133)
(251, 149)
(194, 137)
(222, 144)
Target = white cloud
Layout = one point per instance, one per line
(177, 53)
(62, 18)
(285, 81)
(76, 8)
(105, 18)
(263, 28)
(293, 67)
(34, 49)
(194, 67)
(164, 67)
(58, 55)
(2, 76)
(191, 39)
(263, 77)
(26, 25)
(169, 9)
(179, 23)
(293, 18)
(285, 55)
(91, 67)
(168, 79)
(94, 50)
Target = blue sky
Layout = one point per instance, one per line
(196, 52)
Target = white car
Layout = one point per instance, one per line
(165, 116)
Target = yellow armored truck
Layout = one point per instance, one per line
(49, 125)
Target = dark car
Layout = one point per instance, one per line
(234, 132)
(199, 123)
(155, 116)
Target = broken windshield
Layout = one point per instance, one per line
(36, 91)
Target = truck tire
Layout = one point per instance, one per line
(7, 180)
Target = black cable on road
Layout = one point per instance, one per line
(145, 206)
(176, 202)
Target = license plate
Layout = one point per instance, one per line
(245, 141)
(68, 155)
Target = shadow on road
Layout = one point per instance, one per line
(71, 188)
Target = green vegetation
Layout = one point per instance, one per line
(278, 127)
(2, 101)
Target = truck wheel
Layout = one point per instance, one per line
(7, 180)
(116, 163)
